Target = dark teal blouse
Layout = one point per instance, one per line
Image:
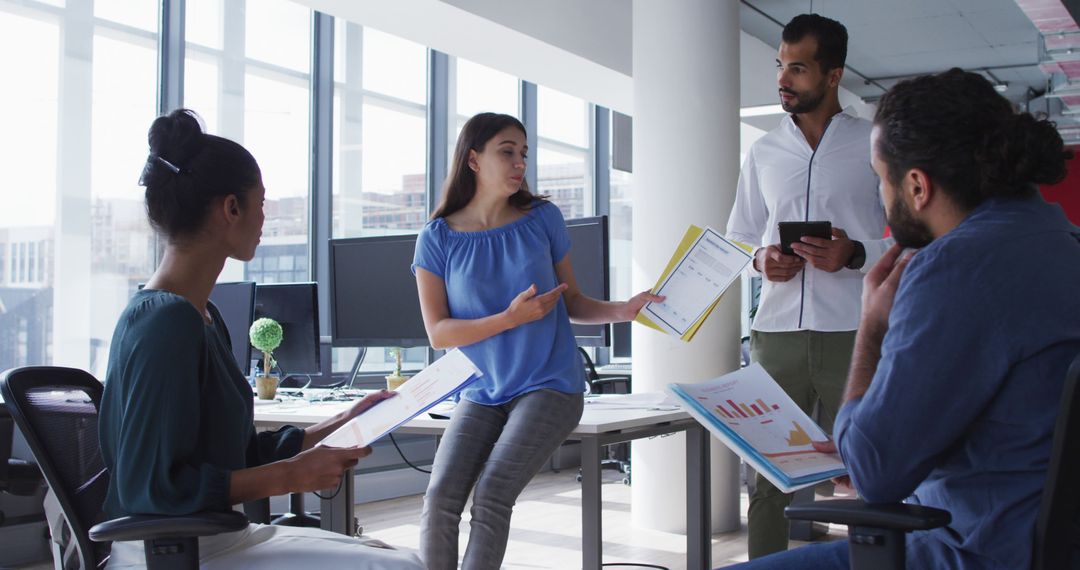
(177, 414)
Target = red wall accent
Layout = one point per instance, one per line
(1067, 192)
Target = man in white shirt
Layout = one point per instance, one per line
(814, 167)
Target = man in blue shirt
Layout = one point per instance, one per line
(962, 347)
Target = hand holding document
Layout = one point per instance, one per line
(704, 265)
(754, 417)
(432, 385)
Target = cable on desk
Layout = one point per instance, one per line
(403, 458)
(336, 491)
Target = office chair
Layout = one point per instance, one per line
(57, 411)
(877, 532)
(17, 476)
(619, 453)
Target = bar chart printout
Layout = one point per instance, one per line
(751, 414)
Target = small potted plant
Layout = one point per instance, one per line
(266, 335)
(396, 379)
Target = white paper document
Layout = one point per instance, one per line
(442, 379)
(707, 269)
(752, 415)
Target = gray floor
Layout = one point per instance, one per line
(546, 528)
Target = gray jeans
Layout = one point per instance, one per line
(498, 449)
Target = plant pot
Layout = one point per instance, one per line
(393, 381)
(266, 386)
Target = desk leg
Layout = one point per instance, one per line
(337, 511)
(698, 500)
(591, 523)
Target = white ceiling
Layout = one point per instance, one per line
(891, 38)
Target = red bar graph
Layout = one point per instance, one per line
(753, 409)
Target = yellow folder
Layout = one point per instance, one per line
(692, 234)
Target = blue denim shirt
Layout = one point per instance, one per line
(960, 413)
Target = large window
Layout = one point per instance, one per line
(564, 164)
(479, 89)
(379, 165)
(256, 92)
(379, 130)
(29, 181)
(74, 240)
(73, 234)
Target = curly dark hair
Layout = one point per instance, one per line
(966, 137)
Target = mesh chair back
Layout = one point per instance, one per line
(1057, 532)
(57, 411)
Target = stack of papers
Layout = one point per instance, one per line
(757, 420)
(703, 266)
(440, 380)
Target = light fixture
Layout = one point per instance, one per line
(760, 110)
(1001, 87)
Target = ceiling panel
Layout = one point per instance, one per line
(890, 38)
(1003, 27)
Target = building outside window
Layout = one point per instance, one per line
(380, 140)
(564, 171)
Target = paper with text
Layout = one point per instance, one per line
(440, 380)
(753, 416)
(707, 268)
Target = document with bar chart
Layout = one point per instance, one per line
(754, 417)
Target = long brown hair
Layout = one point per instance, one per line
(460, 185)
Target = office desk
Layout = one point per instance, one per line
(601, 424)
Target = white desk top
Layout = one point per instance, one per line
(603, 413)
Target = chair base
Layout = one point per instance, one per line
(297, 519)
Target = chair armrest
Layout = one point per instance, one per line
(148, 527)
(896, 516)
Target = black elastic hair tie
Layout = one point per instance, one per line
(175, 169)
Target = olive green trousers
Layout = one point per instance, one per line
(809, 366)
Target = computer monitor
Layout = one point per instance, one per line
(236, 303)
(589, 257)
(620, 339)
(295, 306)
(373, 300)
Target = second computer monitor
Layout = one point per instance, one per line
(236, 301)
(373, 292)
(295, 306)
(589, 258)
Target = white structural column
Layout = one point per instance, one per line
(686, 164)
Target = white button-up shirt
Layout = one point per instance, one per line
(783, 179)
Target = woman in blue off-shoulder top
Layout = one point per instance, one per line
(495, 280)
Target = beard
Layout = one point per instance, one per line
(805, 101)
(906, 230)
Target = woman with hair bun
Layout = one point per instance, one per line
(176, 418)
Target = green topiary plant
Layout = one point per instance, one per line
(397, 353)
(266, 335)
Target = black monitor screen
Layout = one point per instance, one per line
(236, 302)
(295, 306)
(620, 341)
(589, 258)
(373, 300)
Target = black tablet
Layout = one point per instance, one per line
(790, 232)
